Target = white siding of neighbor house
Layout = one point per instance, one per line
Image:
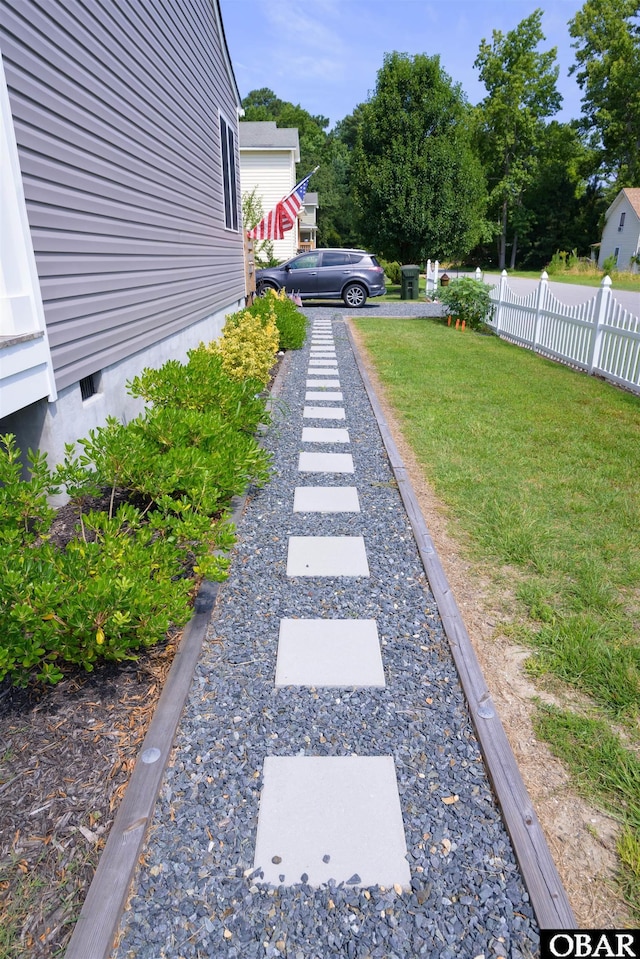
(273, 174)
(627, 239)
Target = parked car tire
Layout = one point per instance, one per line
(354, 295)
(261, 288)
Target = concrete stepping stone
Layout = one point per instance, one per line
(331, 817)
(323, 413)
(327, 556)
(326, 499)
(321, 371)
(319, 354)
(335, 396)
(329, 652)
(320, 434)
(323, 362)
(325, 463)
(323, 384)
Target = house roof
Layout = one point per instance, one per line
(632, 194)
(265, 135)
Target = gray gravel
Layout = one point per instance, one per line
(197, 894)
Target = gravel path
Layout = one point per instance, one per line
(199, 892)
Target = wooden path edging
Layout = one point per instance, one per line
(99, 920)
(546, 892)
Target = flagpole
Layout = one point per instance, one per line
(307, 177)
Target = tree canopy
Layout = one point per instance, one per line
(521, 92)
(607, 68)
(418, 186)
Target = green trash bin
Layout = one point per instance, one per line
(410, 282)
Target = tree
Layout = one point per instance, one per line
(607, 68)
(252, 213)
(417, 183)
(521, 93)
(563, 204)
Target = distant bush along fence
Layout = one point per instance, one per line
(151, 499)
(598, 336)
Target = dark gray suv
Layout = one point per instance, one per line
(352, 275)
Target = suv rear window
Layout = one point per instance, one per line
(335, 258)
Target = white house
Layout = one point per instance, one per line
(621, 233)
(309, 221)
(268, 157)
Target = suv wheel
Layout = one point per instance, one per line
(354, 295)
(261, 288)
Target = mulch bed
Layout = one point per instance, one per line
(66, 756)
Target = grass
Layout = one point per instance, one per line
(539, 468)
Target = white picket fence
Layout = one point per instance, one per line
(432, 272)
(598, 336)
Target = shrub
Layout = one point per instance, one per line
(468, 300)
(291, 323)
(96, 599)
(126, 575)
(247, 346)
(393, 271)
(200, 384)
(610, 265)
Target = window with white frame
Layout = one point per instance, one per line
(621, 223)
(229, 178)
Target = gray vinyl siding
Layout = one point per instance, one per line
(116, 107)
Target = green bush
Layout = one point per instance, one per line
(468, 300)
(610, 265)
(127, 573)
(291, 323)
(393, 271)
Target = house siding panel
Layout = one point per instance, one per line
(626, 240)
(116, 112)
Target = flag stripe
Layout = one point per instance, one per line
(283, 217)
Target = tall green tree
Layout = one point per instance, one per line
(417, 182)
(521, 92)
(564, 202)
(607, 68)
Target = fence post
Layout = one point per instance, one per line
(428, 277)
(542, 290)
(478, 274)
(599, 319)
(501, 289)
(436, 269)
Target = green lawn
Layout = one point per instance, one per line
(540, 469)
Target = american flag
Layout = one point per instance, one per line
(276, 223)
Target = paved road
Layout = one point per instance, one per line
(571, 293)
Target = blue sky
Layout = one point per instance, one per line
(325, 54)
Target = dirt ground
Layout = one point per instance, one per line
(582, 839)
